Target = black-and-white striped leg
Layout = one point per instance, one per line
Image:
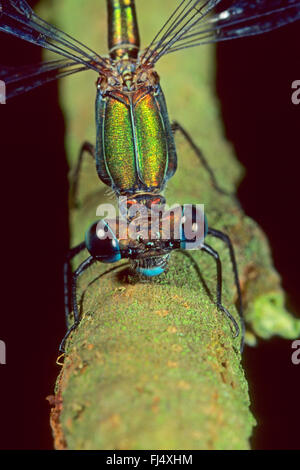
(208, 249)
(83, 267)
(88, 148)
(225, 238)
(178, 127)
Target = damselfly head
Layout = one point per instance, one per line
(147, 238)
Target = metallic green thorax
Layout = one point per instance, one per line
(135, 150)
(123, 35)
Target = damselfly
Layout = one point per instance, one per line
(135, 151)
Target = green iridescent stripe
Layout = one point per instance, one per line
(118, 145)
(122, 25)
(151, 142)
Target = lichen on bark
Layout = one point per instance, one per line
(154, 365)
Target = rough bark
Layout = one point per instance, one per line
(154, 365)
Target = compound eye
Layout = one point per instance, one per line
(194, 227)
(102, 243)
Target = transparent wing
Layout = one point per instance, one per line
(18, 19)
(22, 79)
(196, 22)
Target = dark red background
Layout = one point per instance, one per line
(254, 85)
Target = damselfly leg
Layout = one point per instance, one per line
(86, 148)
(68, 276)
(74, 277)
(209, 250)
(225, 238)
(176, 127)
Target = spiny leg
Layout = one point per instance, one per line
(86, 147)
(68, 275)
(208, 249)
(83, 267)
(225, 238)
(177, 127)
